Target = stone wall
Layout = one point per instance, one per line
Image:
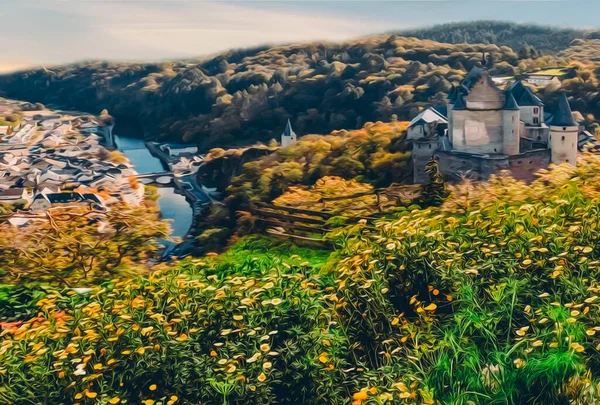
(455, 165)
(423, 151)
(525, 165)
(478, 131)
(485, 96)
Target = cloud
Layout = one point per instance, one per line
(59, 31)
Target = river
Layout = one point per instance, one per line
(173, 206)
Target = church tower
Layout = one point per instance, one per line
(564, 132)
(289, 136)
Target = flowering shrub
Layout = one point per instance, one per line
(491, 298)
(211, 331)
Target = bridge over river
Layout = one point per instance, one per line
(159, 177)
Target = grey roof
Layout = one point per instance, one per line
(288, 131)
(442, 110)
(452, 95)
(511, 103)
(460, 104)
(524, 95)
(563, 117)
(474, 76)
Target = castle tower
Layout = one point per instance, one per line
(511, 118)
(423, 150)
(563, 134)
(450, 101)
(288, 137)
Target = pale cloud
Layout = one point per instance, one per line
(60, 31)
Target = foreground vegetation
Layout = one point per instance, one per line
(491, 297)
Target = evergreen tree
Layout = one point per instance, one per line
(435, 191)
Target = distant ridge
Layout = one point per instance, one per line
(547, 39)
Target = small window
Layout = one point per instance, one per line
(536, 110)
(429, 146)
(536, 120)
(563, 138)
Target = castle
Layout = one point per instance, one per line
(483, 129)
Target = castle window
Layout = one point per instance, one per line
(536, 120)
(429, 146)
(564, 128)
(563, 138)
(536, 111)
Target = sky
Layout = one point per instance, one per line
(49, 32)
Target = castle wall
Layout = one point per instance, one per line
(528, 115)
(422, 152)
(478, 131)
(524, 166)
(485, 96)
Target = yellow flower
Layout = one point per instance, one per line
(114, 400)
(148, 402)
(267, 365)
(174, 398)
(231, 369)
(238, 317)
(526, 262)
(262, 377)
(152, 387)
(519, 363)
(126, 352)
(79, 395)
(537, 343)
(265, 347)
(324, 357)
(360, 395)
(183, 337)
(91, 394)
(430, 307)
(141, 350)
(276, 301)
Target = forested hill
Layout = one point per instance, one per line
(240, 97)
(544, 39)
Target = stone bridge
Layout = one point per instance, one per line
(160, 177)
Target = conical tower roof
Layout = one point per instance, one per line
(511, 103)
(564, 116)
(288, 131)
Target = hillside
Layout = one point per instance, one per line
(545, 39)
(241, 97)
(493, 296)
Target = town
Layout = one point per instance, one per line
(51, 158)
